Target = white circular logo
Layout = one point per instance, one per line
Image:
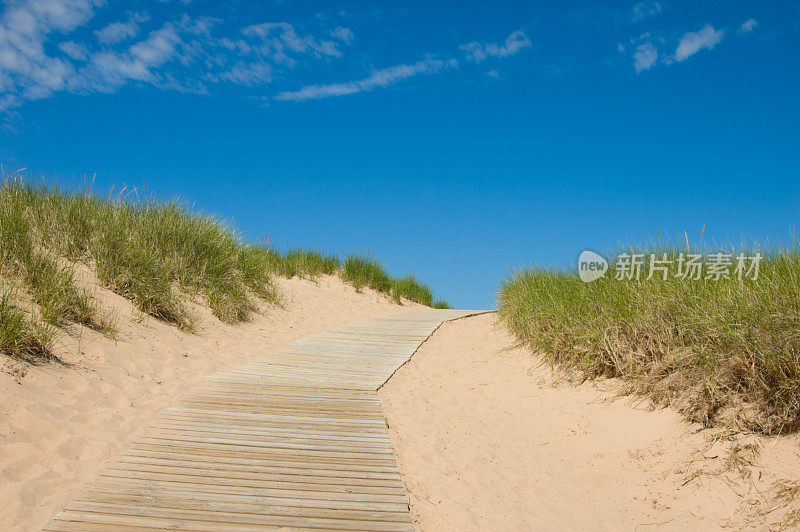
(591, 266)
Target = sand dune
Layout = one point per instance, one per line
(59, 423)
(486, 438)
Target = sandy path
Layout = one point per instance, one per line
(59, 424)
(485, 439)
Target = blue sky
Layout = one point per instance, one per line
(454, 139)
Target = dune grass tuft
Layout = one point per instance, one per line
(308, 264)
(22, 336)
(720, 351)
(25, 257)
(441, 304)
(362, 270)
(365, 270)
(410, 288)
(157, 254)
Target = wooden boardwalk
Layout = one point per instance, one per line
(295, 440)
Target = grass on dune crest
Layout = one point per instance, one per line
(302, 263)
(363, 270)
(148, 252)
(157, 254)
(720, 351)
(50, 283)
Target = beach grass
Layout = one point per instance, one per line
(21, 335)
(158, 254)
(309, 264)
(365, 270)
(721, 351)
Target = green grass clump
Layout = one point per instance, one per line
(720, 351)
(410, 288)
(256, 267)
(153, 253)
(302, 263)
(20, 335)
(362, 270)
(51, 285)
(441, 304)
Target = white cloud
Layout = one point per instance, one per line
(109, 70)
(9, 101)
(693, 42)
(378, 78)
(247, 74)
(120, 31)
(58, 15)
(646, 9)
(279, 39)
(748, 25)
(644, 57)
(164, 57)
(40, 54)
(74, 50)
(478, 51)
(343, 34)
(27, 71)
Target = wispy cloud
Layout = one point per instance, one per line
(26, 70)
(74, 50)
(251, 74)
(475, 51)
(648, 50)
(343, 34)
(378, 78)
(278, 38)
(644, 57)
(646, 9)
(50, 46)
(109, 70)
(478, 51)
(179, 55)
(693, 42)
(748, 25)
(120, 31)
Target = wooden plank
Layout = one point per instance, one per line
(253, 467)
(197, 493)
(296, 440)
(73, 520)
(155, 477)
(115, 484)
(252, 509)
(128, 470)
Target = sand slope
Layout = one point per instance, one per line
(485, 439)
(58, 424)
